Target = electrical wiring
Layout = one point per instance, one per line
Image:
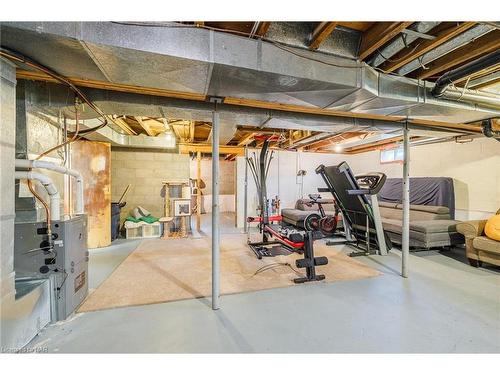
(388, 59)
(30, 183)
(15, 56)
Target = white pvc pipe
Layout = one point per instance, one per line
(23, 163)
(405, 246)
(55, 198)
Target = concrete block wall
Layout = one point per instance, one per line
(227, 174)
(145, 171)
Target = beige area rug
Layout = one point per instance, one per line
(168, 270)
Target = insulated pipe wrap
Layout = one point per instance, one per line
(23, 163)
(48, 184)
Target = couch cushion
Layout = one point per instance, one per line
(421, 240)
(415, 215)
(434, 226)
(486, 244)
(387, 204)
(392, 225)
(426, 226)
(439, 210)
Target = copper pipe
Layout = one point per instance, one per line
(30, 184)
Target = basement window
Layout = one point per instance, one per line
(392, 155)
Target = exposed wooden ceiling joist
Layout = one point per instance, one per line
(477, 48)
(359, 26)
(297, 136)
(334, 139)
(320, 33)
(124, 126)
(443, 32)
(145, 125)
(206, 148)
(246, 139)
(191, 131)
(262, 29)
(379, 34)
(374, 145)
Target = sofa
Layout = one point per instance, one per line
(430, 226)
(478, 247)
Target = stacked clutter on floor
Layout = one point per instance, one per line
(142, 224)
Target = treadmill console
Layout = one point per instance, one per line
(372, 182)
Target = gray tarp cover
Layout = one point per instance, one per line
(430, 191)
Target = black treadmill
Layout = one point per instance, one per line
(356, 197)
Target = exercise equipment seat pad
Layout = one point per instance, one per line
(492, 228)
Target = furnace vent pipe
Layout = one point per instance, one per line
(23, 163)
(464, 71)
(55, 198)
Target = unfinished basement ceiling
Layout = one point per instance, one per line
(284, 63)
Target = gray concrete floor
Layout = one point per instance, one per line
(445, 306)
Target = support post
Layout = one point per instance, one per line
(405, 247)
(215, 207)
(245, 200)
(198, 191)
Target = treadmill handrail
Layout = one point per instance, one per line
(359, 192)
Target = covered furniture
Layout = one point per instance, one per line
(479, 248)
(428, 191)
(430, 226)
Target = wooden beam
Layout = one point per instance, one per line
(145, 126)
(297, 136)
(379, 34)
(262, 29)
(443, 32)
(370, 146)
(320, 33)
(206, 148)
(177, 133)
(477, 48)
(191, 131)
(246, 139)
(124, 126)
(335, 138)
(37, 76)
(250, 103)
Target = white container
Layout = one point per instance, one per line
(144, 231)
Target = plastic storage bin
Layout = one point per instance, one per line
(144, 231)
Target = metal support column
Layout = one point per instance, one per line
(198, 191)
(405, 247)
(215, 207)
(245, 203)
